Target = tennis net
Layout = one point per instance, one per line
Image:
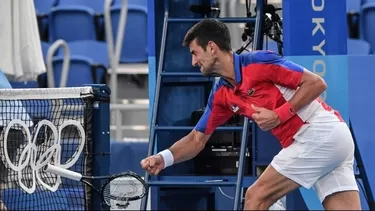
(40, 126)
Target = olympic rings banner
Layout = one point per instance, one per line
(29, 157)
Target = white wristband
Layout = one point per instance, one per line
(167, 157)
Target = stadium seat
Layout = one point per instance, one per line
(44, 6)
(95, 50)
(42, 9)
(367, 17)
(353, 5)
(134, 48)
(72, 22)
(358, 47)
(96, 5)
(142, 3)
(81, 71)
(45, 47)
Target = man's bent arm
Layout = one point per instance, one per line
(189, 146)
(310, 88)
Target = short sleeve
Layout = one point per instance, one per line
(215, 113)
(269, 66)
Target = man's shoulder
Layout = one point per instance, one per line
(259, 57)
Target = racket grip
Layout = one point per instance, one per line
(63, 172)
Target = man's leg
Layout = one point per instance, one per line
(270, 187)
(338, 190)
(315, 152)
(345, 200)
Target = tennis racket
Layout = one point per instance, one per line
(116, 191)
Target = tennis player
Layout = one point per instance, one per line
(281, 97)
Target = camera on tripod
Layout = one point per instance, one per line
(272, 27)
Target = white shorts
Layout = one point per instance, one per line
(321, 157)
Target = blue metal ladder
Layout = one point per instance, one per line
(194, 182)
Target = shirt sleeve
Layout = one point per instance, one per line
(215, 114)
(270, 66)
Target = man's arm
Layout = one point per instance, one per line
(272, 67)
(311, 87)
(188, 147)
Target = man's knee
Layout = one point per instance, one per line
(256, 195)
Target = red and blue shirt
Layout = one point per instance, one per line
(265, 79)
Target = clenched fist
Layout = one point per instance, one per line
(153, 164)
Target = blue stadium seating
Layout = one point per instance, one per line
(44, 6)
(353, 5)
(45, 47)
(72, 22)
(95, 50)
(132, 2)
(134, 48)
(81, 71)
(42, 9)
(96, 5)
(367, 17)
(358, 47)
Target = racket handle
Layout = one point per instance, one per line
(63, 172)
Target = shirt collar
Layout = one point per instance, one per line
(237, 70)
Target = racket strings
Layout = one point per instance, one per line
(122, 189)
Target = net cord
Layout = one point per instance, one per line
(45, 93)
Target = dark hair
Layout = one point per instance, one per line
(209, 30)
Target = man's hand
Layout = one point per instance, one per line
(265, 119)
(153, 164)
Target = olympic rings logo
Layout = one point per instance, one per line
(28, 156)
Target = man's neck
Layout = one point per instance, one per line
(226, 70)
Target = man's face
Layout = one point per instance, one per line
(203, 58)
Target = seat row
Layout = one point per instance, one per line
(73, 20)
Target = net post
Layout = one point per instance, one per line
(101, 139)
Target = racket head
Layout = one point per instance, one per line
(121, 188)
